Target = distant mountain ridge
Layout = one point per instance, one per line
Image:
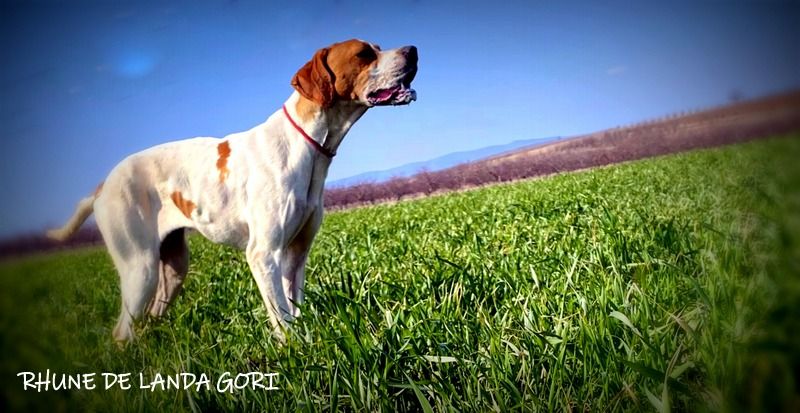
(439, 163)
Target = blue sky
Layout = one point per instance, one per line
(82, 85)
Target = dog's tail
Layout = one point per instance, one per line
(82, 212)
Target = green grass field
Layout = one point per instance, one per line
(665, 284)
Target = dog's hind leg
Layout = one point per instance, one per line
(173, 267)
(138, 285)
(129, 231)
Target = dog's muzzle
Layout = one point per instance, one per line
(401, 92)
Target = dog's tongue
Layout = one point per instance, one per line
(397, 95)
(384, 94)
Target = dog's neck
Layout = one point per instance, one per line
(326, 126)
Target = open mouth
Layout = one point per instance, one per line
(400, 94)
(396, 95)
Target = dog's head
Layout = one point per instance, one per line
(357, 71)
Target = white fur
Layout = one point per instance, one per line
(269, 204)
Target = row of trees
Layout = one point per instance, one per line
(730, 124)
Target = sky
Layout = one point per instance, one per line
(84, 84)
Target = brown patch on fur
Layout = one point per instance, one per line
(184, 205)
(306, 109)
(315, 81)
(98, 189)
(350, 69)
(224, 151)
(339, 71)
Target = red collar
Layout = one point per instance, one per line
(313, 143)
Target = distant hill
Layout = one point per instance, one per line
(437, 164)
(738, 122)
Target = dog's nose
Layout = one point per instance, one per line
(410, 52)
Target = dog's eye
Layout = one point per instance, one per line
(367, 54)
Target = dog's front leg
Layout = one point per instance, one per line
(266, 263)
(296, 255)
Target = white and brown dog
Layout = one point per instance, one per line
(258, 190)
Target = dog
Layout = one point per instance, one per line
(259, 190)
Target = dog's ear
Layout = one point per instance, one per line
(314, 80)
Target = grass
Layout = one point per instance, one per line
(665, 284)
